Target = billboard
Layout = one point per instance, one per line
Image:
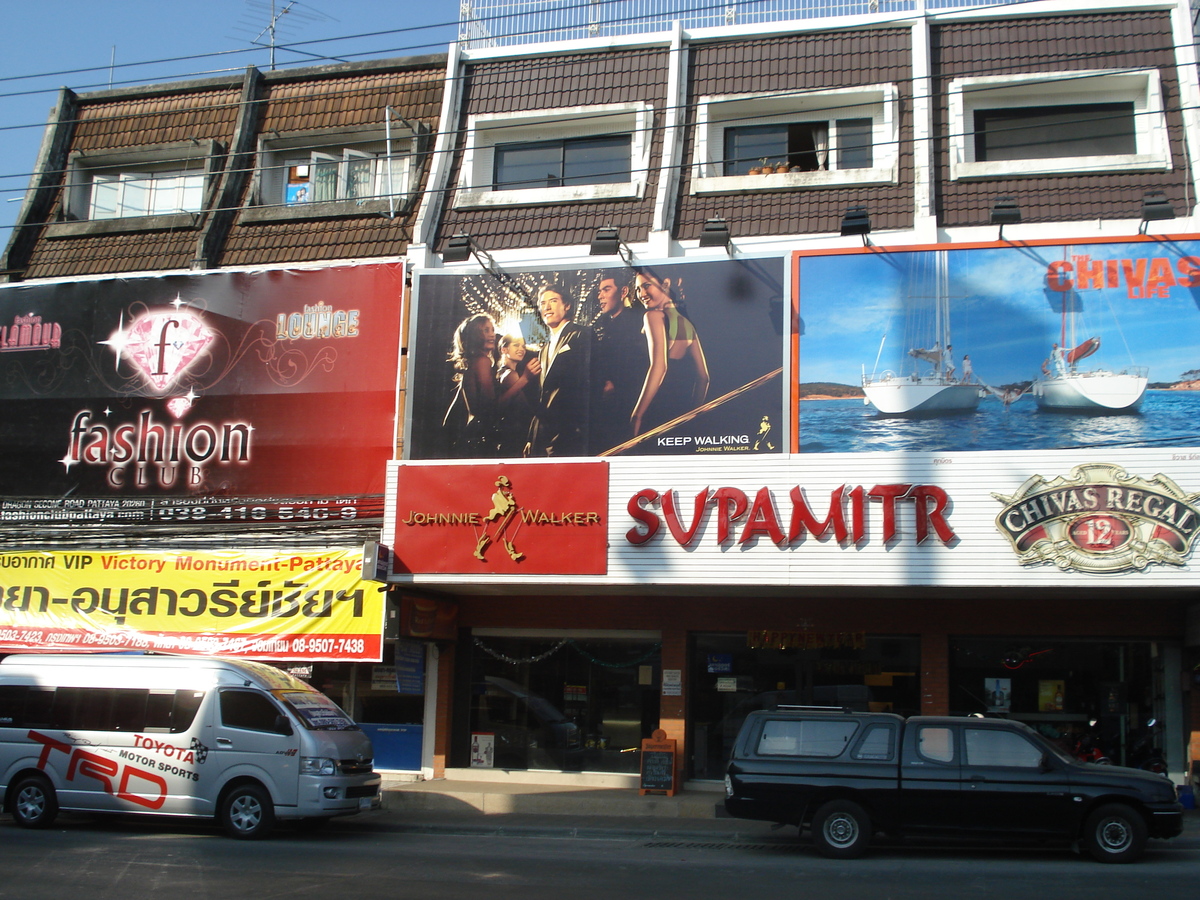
(302, 605)
(1031, 346)
(582, 361)
(173, 398)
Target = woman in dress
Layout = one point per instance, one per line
(677, 380)
(517, 393)
(474, 358)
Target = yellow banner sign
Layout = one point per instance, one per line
(309, 605)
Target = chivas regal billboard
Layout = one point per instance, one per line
(273, 384)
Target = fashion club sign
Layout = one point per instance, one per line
(228, 385)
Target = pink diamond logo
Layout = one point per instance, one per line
(177, 406)
(164, 345)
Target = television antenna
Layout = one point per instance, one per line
(277, 25)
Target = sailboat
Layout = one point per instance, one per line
(932, 393)
(1065, 387)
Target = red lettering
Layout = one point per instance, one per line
(646, 517)
(802, 517)
(93, 766)
(141, 799)
(1189, 271)
(700, 507)
(48, 744)
(1058, 276)
(887, 495)
(731, 505)
(922, 495)
(1088, 274)
(762, 519)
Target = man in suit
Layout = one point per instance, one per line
(560, 425)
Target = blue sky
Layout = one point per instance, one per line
(74, 43)
(1000, 312)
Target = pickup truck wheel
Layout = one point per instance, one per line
(33, 802)
(841, 830)
(1114, 834)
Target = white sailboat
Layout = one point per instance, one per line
(1065, 387)
(933, 393)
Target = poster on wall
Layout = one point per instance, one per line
(1020, 347)
(278, 606)
(684, 358)
(178, 398)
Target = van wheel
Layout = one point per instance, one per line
(1115, 834)
(841, 830)
(247, 812)
(34, 804)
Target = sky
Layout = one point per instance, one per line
(91, 45)
(1001, 310)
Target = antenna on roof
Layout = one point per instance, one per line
(275, 10)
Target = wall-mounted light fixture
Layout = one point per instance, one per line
(607, 242)
(1005, 212)
(1155, 208)
(716, 234)
(856, 221)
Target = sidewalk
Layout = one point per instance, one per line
(530, 810)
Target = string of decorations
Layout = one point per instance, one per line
(566, 642)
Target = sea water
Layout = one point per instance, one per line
(1166, 419)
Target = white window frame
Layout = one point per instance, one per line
(486, 131)
(275, 161)
(1142, 87)
(717, 112)
(148, 193)
(174, 177)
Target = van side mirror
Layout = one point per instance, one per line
(282, 725)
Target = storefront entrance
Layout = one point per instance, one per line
(567, 704)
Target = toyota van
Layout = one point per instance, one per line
(240, 741)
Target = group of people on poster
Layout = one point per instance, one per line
(590, 387)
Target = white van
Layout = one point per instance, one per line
(174, 735)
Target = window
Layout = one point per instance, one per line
(570, 161)
(329, 174)
(797, 147)
(248, 710)
(117, 195)
(878, 743)
(1001, 126)
(556, 156)
(805, 139)
(168, 180)
(989, 747)
(936, 743)
(99, 709)
(805, 737)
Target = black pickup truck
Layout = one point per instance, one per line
(847, 775)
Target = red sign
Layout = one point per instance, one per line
(529, 518)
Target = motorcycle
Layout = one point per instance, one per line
(1144, 752)
(1085, 745)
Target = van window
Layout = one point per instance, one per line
(805, 737)
(98, 709)
(318, 712)
(249, 710)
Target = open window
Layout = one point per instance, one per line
(795, 139)
(324, 174)
(1049, 123)
(556, 156)
(149, 187)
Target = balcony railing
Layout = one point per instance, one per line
(497, 23)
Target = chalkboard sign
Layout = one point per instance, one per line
(658, 765)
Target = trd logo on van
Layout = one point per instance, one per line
(291, 752)
(92, 765)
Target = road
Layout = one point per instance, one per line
(136, 859)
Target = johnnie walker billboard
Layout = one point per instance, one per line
(681, 358)
(130, 397)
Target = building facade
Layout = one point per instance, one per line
(835, 361)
